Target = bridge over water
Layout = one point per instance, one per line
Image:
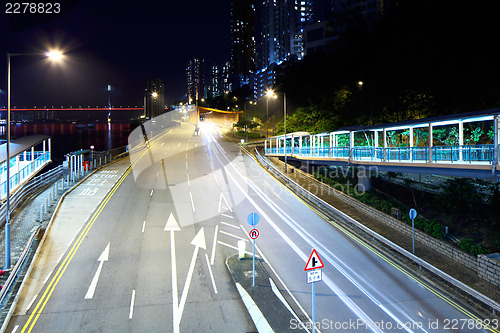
(464, 145)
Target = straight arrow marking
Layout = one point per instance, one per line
(172, 226)
(102, 258)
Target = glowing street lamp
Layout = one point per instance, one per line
(53, 55)
(270, 93)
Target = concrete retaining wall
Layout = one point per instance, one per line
(489, 268)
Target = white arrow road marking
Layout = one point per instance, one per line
(198, 241)
(102, 258)
(172, 226)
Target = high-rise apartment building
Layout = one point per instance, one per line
(283, 24)
(154, 97)
(195, 72)
(242, 40)
(219, 80)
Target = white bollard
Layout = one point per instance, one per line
(241, 249)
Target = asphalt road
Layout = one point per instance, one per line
(153, 258)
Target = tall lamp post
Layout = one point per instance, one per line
(272, 93)
(54, 55)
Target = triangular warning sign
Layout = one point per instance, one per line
(314, 262)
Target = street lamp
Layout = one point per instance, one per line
(53, 55)
(270, 93)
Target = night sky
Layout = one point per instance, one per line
(122, 43)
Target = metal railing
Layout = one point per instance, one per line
(438, 154)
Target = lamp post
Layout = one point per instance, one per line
(54, 55)
(270, 93)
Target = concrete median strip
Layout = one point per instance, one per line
(258, 318)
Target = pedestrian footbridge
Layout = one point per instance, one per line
(463, 145)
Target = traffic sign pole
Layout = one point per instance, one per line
(314, 306)
(253, 277)
(413, 215)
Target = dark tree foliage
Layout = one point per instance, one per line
(423, 58)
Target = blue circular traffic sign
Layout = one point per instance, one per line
(413, 214)
(253, 219)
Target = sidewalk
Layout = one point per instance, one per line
(73, 213)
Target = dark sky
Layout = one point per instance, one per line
(122, 43)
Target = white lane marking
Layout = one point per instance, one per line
(230, 225)
(157, 174)
(216, 181)
(162, 144)
(214, 244)
(143, 226)
(15, 329)
(234, 236)
(151, 194)
(192, 202)
(132, 300)
(31, 303)
(47, 278)
(228, 216)
(189, 182)
(227, 203)
(211, 274)
(58, 260)
(179, 144)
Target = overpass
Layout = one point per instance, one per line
(220, 117)
(462, 145)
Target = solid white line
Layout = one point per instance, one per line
(227, 216)
(143, 226)
(47, 278)
(230, 225)
(234, 236)
(15, 329)
(192, 202)
(214, 244)
(211, 274)
(132, 300)
(227, 203)
(58, 260)
(31, 303)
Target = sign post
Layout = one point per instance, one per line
(314, 274)
(413, 214)
(253, 219)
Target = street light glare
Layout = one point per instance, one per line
(269, 93)
(54, 55)
(154, 94)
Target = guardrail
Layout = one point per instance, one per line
(16, 270)
(336, 214)
(33, 186)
